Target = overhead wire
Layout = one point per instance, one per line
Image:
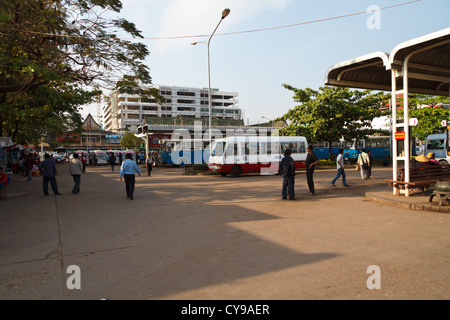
(227, 33)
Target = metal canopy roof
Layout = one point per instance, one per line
(428, 62)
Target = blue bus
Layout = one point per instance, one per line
(187, 151)
(379, 146)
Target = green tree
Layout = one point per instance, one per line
(429, 118)
(57, 50)
(130, 141)
(332, 113)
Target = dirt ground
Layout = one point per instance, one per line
(204, 237)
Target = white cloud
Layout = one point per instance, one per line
(199, 17)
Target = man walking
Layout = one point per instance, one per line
(112, 160)
(127, 171)
(364, 164)
(311, 161)
(287, 171)
(48, 166)
(29, 162)
(340, 168)
(149, 164)
(75, 169)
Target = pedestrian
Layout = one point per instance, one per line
(75, 169)
(120, 158)
(149, 164)
(112, 161)
(3, 184)
(48, 166)
(311, 161)
(287, 171)
(83, 160)
(369, 171)
(142, 158)
(340, 169)
(363, 164)
(127, 171)
(29, 163)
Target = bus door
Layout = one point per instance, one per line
(232, 152)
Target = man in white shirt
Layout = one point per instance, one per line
(340, 168)
(364, 164)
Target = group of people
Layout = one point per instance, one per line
(287, 170)
(426, 160)
(128, 170)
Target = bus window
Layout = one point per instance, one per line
(435, 144)
(218, 149)
(252, 147)
(232, 150)
(294, 146)
(302, 148)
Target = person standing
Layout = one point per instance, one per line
(311, 161)
(112, 160)
(120, 158)
(75, 169)
(48, 166)
(340, 168)
(369, 171)
(149, 164)
(364, 164)
(127, 171)
(287, 171)
(29, 163)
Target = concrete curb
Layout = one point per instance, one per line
(426, 206)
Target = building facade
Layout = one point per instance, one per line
(126, 112)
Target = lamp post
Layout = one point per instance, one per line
(225, 13)
(270, 121)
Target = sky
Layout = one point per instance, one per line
(264, 44)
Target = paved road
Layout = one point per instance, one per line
(211, 237)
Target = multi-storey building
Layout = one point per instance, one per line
(127, 112)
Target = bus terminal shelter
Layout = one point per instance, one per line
(420, 66)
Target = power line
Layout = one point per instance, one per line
(227, 33)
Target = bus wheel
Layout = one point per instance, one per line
(236, 171)
(443, 163)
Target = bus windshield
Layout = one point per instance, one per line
(218, 149)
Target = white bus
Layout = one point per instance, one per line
(237, 155)
(100, 157)
(438, 144)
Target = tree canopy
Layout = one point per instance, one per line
(130, 141)
(430, 117)
(56, 55)
(331, 113)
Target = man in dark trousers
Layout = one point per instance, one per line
(48, 166)
(127, 171)
(112, 160)
(287, 171)
(311, 161)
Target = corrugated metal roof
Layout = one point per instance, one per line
(428, 67)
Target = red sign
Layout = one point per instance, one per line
(400, 135)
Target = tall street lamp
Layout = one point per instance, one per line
(225, 13)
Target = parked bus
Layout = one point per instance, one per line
(378, 145)
(185, 151)
(101, 157)
(322, 150)
(238, 155)
(438, 144)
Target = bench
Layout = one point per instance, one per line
(420, 177)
